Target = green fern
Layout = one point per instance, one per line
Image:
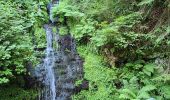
(165, 91)
(63, 9)
(162, 78)
(127, 94)
(145, 2)
(148, 69)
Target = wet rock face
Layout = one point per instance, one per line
(68, 67)
(66, 43)
(68, 71)
(60, 68)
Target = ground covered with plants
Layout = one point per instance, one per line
(125, 45)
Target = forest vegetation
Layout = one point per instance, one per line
(125, 45)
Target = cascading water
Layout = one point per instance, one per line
(61, 66)
(49, 65)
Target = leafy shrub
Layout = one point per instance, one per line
(20, 31)
(17, 93)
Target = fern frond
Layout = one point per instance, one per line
(163, 77)
(129, 93)
(125, 96)
(143, 95)
(148, 69)
(165, 91)
(147, 88)
(145, 2)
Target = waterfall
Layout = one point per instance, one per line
(61, 67)
(49, 65)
